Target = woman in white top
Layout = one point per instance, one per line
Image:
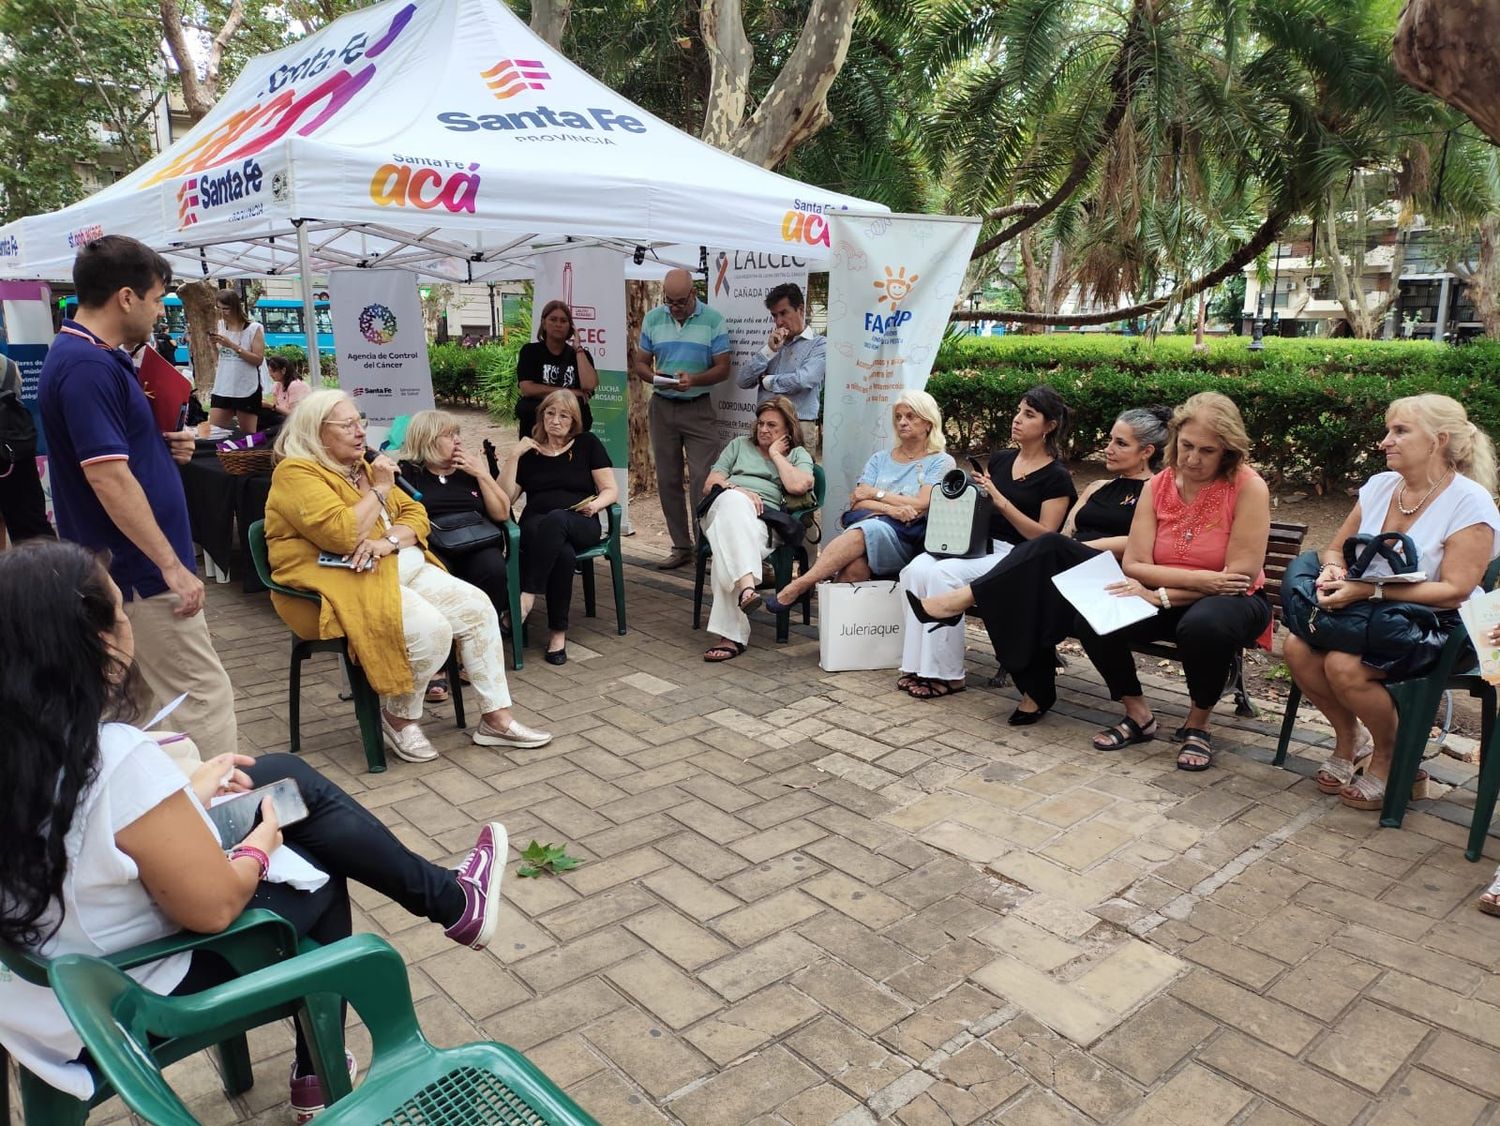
(242, 347)
(107, 844)
(1439, 491)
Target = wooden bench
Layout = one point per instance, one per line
(1284, 545)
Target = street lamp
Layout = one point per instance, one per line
(974, 299)
(1257, 326)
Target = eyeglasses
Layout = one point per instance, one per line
(349, 425)
(685, 299)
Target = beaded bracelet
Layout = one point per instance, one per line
(254, 854)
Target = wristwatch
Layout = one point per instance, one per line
(880, 494)
(395, 543)
(1379, 595)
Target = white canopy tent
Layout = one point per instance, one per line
(437, 136)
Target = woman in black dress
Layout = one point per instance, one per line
(550, 362)
(567, 478)
(453, 480)
(1023, 612)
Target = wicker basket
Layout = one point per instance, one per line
(242, 463)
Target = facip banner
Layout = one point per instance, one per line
(738, 281)
(380, 342)
(591, 280)
(891, 287)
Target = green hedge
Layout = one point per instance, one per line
(1315, 409)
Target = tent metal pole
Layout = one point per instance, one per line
(309, 312)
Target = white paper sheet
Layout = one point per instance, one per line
(1084, 585)
(1479, 615)
(161, 715)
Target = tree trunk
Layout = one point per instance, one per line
(1036, 280)
(1483, 279)
(1451, 48)
(199, 93)
(549, 19)
(638, 300)
(200, 304)
(796, 105)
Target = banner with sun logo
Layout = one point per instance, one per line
(891, 286)
(381, 343)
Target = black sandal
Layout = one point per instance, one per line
(1195, 742)
(749, 599)
(1124, 734)
(924, 689)
(723, 651)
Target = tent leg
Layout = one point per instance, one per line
(309, 314)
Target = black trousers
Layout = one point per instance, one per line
(347, 841)
(549, 551)
(1208, 632)
(485, 569)
(1024, 613)
(22, 505)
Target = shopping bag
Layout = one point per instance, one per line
(860, 625)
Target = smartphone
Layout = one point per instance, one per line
(974, 461)
(329, 559)
(233, 819)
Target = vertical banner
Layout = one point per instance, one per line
(380, 343)
(738, 281)
(592, 282)
(891, 286)
(25, 336)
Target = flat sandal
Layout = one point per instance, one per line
(1124, 734)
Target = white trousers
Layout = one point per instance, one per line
(740, 541)
(939, 654)
(435, 609)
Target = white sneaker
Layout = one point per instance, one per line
(409, 743)
(516, 735)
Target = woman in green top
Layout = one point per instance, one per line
(755, 475)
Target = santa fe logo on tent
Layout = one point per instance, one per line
(187, 202)
(509, 77)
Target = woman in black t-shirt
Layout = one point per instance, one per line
(1023, 612)
(566, 476)
(451, 480)
(1031, 491)
(549, 362)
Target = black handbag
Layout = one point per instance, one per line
(17, 429)
(1366, 628)
(460, 533)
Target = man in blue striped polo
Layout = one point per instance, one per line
(683, 351)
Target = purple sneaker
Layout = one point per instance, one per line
(307, 1091)
(479, 876)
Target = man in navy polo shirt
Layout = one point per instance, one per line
(115, 486)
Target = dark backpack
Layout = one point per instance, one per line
(17, 429)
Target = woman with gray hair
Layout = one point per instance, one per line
(456, 489)
(1022, 611)
(336, 525)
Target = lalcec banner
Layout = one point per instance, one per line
(591, 281)
(738, 281)
(891, 288)
(380, 341)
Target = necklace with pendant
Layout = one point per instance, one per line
(1412, 511)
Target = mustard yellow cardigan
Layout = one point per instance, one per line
(311, 509)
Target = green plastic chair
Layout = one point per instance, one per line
(408, 1081)
(785, 560)
(256, 939)
(366, 702)
(1416, 704)
(607, 548)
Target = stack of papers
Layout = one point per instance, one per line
(1084, 585)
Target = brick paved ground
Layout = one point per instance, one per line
(809, 899)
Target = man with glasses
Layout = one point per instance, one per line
(683, 351)
(115, 486)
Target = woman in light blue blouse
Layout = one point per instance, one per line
(884, 525)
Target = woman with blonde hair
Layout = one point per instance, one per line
(457, 491)
(337, 525)
(884, 525)
(1438, 489)
(1196, 551)
(749, 489)
(568, 480)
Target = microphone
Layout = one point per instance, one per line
(401, 482)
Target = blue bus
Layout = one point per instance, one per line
(282, 319)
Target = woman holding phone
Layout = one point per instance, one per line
(567, 478)
(550, 362)
(111, 844)
(236, 396)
